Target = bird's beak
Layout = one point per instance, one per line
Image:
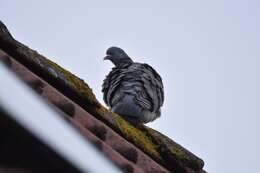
(107, 57)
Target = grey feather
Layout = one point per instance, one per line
(133, 90)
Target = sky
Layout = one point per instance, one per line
(207, 53)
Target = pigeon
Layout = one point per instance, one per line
(131, 89)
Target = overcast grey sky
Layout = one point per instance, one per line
(207, 53)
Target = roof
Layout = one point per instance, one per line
(141, 149)
(36, 138)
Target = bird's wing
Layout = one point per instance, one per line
(148, 86)
(111, 85)
(156, 80)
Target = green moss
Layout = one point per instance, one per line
(175, 149)
(102, 111)
(179, 153)
(137, 136)
(131, 133)
(78, 84)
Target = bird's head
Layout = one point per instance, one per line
(117, 56)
